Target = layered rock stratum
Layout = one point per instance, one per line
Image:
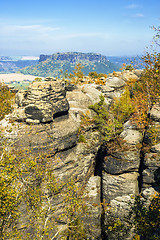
(47, 118)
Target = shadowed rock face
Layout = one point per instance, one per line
(34, 112)
(122, 162)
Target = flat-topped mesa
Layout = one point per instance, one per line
(43, 101)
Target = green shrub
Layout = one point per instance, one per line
(146, 219)
(109, 121)
(6, 100)
(82, 139)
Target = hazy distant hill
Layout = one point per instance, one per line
(74, 57)
(136, 61)
(10, 66)
(51, 65)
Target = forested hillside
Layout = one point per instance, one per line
(54, 65)
(9, 66)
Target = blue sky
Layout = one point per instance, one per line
(111, 28)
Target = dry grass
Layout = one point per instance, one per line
(19, 77)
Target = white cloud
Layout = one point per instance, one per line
(77, 35)
(138, 15)
(133, 6)
(21, 30)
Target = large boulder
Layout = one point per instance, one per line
(20, 96)
(43, 101)
(132, 136)
(155, 112)
(156, 148)
(130, 75)
(151, 173)
(119, 185)
(115, 82)
(52, 137)
(122, 162)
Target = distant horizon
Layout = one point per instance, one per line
(37, 56)
(110, 28)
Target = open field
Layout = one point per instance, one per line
(18, 77)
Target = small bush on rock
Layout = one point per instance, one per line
(110, 121)
(146, 219)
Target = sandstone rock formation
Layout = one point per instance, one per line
(152, 158)
(44, 124)
(48, 119)
(43, 101)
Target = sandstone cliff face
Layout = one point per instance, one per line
(73, 56)
(151, 160)
(47, 119)
(45, 123)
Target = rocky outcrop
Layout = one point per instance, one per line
(151, 172)
(152, 158)
(43, 123)
(155, 112)
(48, 119)
(120, 174)
(113, 88)
(119, 185)
(74, 56)
(121, 162)
(43, 101)
(131, 75)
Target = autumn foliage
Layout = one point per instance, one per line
(6, 98)
(146, 219)
(146, 92)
